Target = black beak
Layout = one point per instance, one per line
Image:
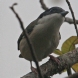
(64, 13)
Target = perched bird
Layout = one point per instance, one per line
(43, 33)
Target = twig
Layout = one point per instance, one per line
(28, 40)
(72, 13)
(50, 67)
(69, 20)
(43, 5)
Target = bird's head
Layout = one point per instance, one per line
(54, 14)
(54, 10)
(53, 17)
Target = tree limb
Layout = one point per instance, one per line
(70, 21)
(50, 67)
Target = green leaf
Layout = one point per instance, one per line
(69, 44)
(58, 52)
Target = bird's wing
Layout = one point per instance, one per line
(31, 26)
(29, 29)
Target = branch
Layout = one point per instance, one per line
(28, 40)
(70, 21)
(72, 13)
(43, 5)
(50, 67)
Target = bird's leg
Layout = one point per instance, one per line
(33, 69)
(54, 59)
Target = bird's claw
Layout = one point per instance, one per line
(54, 59)
(34, 70)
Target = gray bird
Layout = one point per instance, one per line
(43, 33)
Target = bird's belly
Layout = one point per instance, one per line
(43, 46)
(25, 50)
(44, 43)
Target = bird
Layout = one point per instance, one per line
(43, 33)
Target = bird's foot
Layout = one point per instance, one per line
(54, 59)
(34, 70)
(57, 61)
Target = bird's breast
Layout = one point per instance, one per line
(44, 38)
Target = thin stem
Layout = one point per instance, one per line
(28, 40)
(72, 13)
(43, 5)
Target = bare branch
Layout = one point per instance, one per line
(43, 5)
(50, 68)
(28, 40)
(72, 13)
(70, 21)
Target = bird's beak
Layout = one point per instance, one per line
(64, 13)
